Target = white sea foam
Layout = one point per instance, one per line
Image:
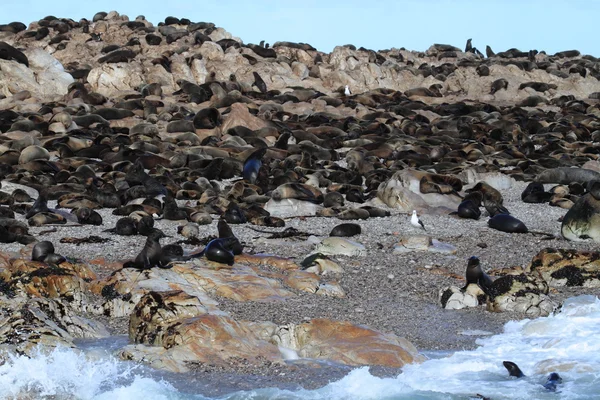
(568, 342)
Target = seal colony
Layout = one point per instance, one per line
(197, 130)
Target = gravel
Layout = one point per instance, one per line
(396, 293)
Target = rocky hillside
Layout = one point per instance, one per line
(114, 54)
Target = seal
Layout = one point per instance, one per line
(499, 84)
(513, 369)
(44, 252)
(551, 383)
(151, 255)
(535, 193)
(507, 223)
(567, 175)
(7, 52)
(345, 230)
(475, 275)
(217, 250)
(40, 205)
(252, 165)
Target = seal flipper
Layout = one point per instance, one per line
(513, 369)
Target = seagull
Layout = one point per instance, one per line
(416, 222)
(347, 91)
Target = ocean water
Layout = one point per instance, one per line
(567, 342)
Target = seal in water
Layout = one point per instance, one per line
(507, 223)
(552, 381)
(513, 369)
(475, 274)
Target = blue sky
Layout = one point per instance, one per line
(414, 24)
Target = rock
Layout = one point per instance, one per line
(45, 76)
(240, 116)
(567, 267)
(340, 246)
(582, 221)
(114, 79)
(346, 343)
(35, 279)
(30, 326)
(522, 293)
(423, 243)
(454, 298)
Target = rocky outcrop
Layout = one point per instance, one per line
(522, 293)
(567, 267)
(346, 343)
(183, 335)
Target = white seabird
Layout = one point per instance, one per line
(416, 222)
(347, 91)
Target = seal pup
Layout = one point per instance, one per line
(345, 230)
(151, 255)
(416, 221)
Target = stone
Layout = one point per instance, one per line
(346, 343)
(523, 293)
(567, 267)
(454, 298)
(423, 243)
(45, 76)
(340, 246)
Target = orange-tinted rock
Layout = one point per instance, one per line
(347, 343)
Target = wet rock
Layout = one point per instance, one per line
(522, 293)
(346, 343)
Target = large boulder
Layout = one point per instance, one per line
(347, 343)
(45, 77)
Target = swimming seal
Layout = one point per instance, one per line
(552, 381)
